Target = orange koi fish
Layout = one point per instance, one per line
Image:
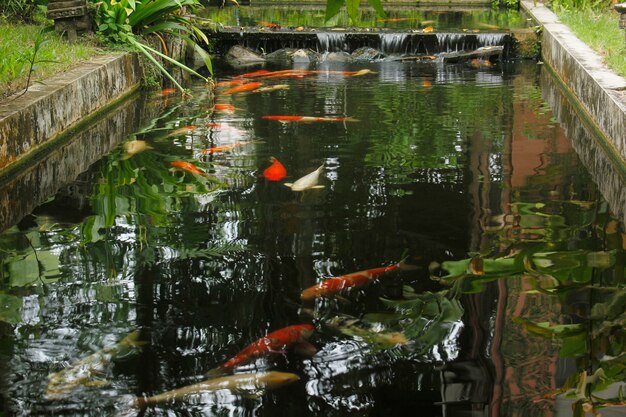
(269, 24)
(428, 29)
(276, 171)
(225, 107)
(286, 73)
(224, 148)
(309, 119)
(242, 88)
(227, 83)
(189, 167)
(275, 342)
(290, 74)
(167, 91)
(356, 279)
(252, 74)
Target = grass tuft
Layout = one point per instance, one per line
(600, 31)
(17, 41)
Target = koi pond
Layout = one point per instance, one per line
(491, 268)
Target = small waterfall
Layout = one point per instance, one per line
(491, 39)
(331, 42)
(454, 42)
(393, 43)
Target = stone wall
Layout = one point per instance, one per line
(600, 92)
(48, 110)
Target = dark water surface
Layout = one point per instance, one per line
(464, 172)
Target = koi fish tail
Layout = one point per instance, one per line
(351, 119)
(129, 405)
(217, 372)
(404, 266)
(132, 340)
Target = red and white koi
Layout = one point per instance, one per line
(308, 119)
(274, 342)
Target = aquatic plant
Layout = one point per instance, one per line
(591, 330)
(126, 21)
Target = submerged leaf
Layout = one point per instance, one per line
(10, 309)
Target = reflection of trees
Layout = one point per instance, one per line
(313, 16)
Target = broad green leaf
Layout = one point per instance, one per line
(574, 346)
(353, 9)
(332, 8)
(205, 57)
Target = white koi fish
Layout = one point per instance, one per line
(247, 383)
(308, 182)
(87, 371)
(271, 88)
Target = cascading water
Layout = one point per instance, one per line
(491, 39)
(393, 43)
(454, 42)
(331, 42)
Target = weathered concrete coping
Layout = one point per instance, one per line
(48, 110)
(599, 91)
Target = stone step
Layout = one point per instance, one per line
(56, 5)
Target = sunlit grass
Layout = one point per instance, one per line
(600, 31)
(17, 41)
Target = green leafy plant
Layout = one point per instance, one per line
(20, 10)
(125, 21)
(509, 4)
(32, 59)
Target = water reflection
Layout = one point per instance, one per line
(292, 16)
(468, 176)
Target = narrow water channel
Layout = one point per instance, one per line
(512, 261)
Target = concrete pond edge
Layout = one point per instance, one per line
(597, 90)
(50, 111)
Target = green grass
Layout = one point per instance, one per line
(16, 41)
(600, 31)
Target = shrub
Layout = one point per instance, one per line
(20, 10)
(122, 21)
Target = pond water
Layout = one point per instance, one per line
(396, 18)
(511, 283)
